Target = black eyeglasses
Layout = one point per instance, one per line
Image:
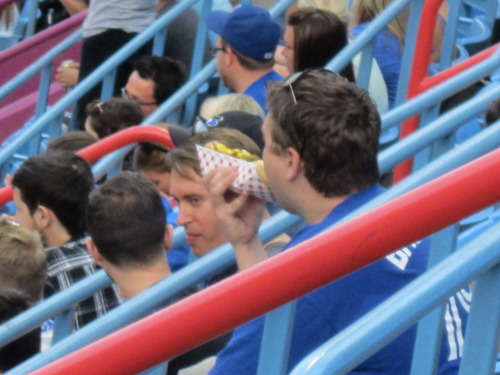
(215, 50)
(126, 95)
(295, 77)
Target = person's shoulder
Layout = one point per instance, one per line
(67, 253)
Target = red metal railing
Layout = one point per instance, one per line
(419, 80)
(251, 293)
(105, 146)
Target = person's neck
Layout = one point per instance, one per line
(320, 208)
(55, 237)
(245, 78)
(131, 282)
(312, 206)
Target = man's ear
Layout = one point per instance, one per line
(294, 163)
(43, 217)
(229, 57)
(92, 249)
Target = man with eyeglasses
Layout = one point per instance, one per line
(152, 81)
(245, 50)
(320, 157)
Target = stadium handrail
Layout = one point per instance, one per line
(100, 73)
(124, 137)
(35, 39)
(221, 258)
(251, 293)
(357, 342)
(419, 80)
(31, 10)
(96, 76)
(389, 119)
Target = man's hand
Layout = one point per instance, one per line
(68, 76)
(240, 214)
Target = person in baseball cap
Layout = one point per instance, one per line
(248, 124)
(247, 39)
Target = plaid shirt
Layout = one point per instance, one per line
(69, 264)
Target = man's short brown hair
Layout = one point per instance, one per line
(185, 157)
(333, 125)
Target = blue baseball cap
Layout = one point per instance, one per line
(250, 30)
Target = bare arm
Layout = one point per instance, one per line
(74, 6)
(241, 216)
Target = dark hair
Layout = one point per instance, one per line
(60, 181)
(12, 303)
(110, 116)
(493, 112)
(167, 74)
(318, 36)
(247, 62)
(150, 156)
(126, 220)
(336, 137)
(71, 142)
(186, 156)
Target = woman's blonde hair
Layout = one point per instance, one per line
(366, 10)
(216, 105)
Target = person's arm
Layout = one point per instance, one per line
(240, 215)
(74, 6)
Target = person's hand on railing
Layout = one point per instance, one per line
(67, 74)
(240, 215)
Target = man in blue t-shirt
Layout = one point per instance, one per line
(245, 50)
(320, 157)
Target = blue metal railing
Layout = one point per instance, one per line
(364, 337)
(488, 139)
(387, 159)
(103, 72)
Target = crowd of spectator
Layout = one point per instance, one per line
(316, 131)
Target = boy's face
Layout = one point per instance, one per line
(160, 180)
(203, 231)
(23, 214)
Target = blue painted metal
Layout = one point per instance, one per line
(108, 85)
(32, 17)
(483, 326)
(445, 124)
(276, 340)
(159, 42)
(378, 24)
(428, 340)
(199, 49)
(365, 67)
(52, 306)
(364, 337)
(437, 93)
(450, 35)
(133, 309)
(408, 51)
(176, 100)
(88, 82)
(63, 325)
